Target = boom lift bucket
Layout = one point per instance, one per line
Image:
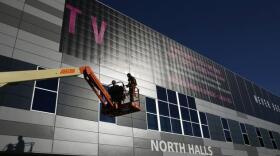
(123, 104)
(110, 107)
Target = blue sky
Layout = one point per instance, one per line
(242, 35)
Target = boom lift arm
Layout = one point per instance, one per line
(90, 77)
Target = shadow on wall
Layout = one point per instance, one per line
(19, 147)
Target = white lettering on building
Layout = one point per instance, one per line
(163, 146)
(168, 146)
(266, 103)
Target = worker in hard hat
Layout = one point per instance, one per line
(131, 85)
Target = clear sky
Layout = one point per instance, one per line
(242, 35)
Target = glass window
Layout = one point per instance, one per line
(44, 101)
(258, 132)
(227, 136)
(45, 95)
(203, 118)
(185, 114)
(161, 93)
(246, 139)
(270, 134)
(196, 130)
(163, 108)
(205, 131)
(204, 125)
(183, 100)
(176, 126)
(187, 128)
(272, 140)
(243, 129)
(151, 113)
(259, 136)
(191, 102)
(224, 123)
(174, 112)
(194, 116)
(152, 121)
(261, 142)
(50, 84)
(151, 105)
(172, 96)
(165, 124)
(227, 133)
(244, 134)
(170, 113)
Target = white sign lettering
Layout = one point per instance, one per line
(266, 103)
(167, 146)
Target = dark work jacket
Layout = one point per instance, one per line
(20, 147)
(131, 81)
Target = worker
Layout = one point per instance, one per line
(116, 93)
(20, 145)
(131, 85)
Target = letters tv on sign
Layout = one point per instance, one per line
(83, 30)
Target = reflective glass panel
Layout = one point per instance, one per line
(172, 96)
(152, 121)
(194, 116)
(174, 112)
(185, 114)
(44, 101)
(191, 102)
(205, 130)
(203, 118)
(151, 105)
(183, 100)
(176, 126)
(196, 130)
(161, 93)
(163, 108)
(225, 124)
(187, 128)
(165, 124)
(227, 136)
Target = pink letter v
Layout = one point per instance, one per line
(98, 35)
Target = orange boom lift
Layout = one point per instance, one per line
(109, 107)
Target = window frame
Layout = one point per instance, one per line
(226, 130)
(33, 94)
(169, 112)
(246, 133)
(151, 113)
(205, 125)
(272, 139)
(179, 106)
(259, 137)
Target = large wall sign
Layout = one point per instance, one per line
(103, 36)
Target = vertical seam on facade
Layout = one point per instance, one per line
(18, 28)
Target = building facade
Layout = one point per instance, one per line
(190, 104)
